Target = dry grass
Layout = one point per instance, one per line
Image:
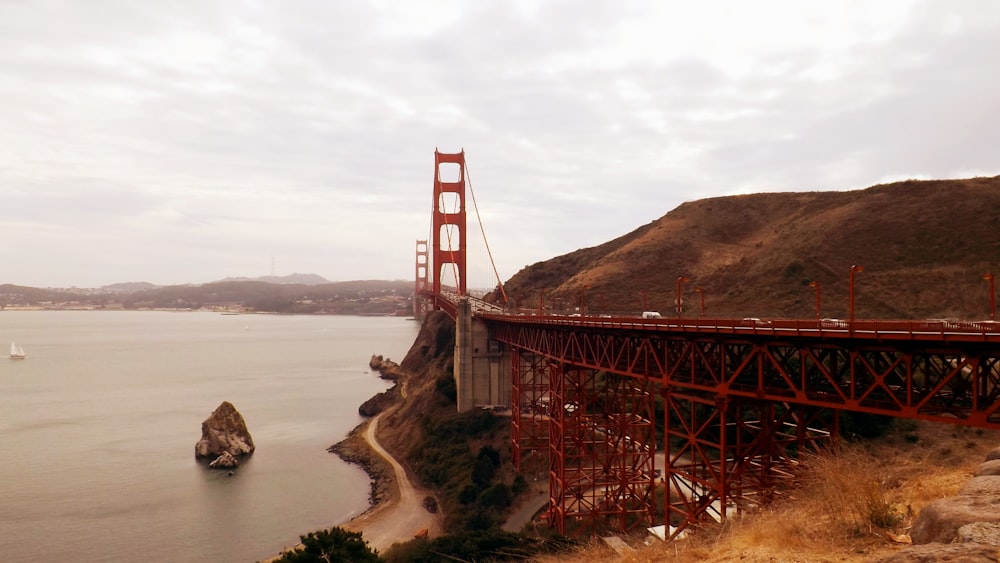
(755, 254)
(851, 505)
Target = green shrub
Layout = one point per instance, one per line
(445, 385)
(520, 484)
(468, 494)
(483, 471)
(496, 496)
(335, 544)
(486, 545)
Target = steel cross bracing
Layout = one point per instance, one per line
(529, 415)
(739, 405)
(726, 456)
(741, 396)
(601, 447)
(948, 380)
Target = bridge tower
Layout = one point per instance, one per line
(449, 219)
(419, 302)
(482, 365)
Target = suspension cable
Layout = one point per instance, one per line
(489, 253)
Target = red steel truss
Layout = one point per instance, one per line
(529, 404)
(741, 396)
(941, 377)
(738, 403)
(601, 447)
(730, 455)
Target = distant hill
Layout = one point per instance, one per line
(362, 297)
(354, 297)
(304, 279)
(127, 287)
(924, 247)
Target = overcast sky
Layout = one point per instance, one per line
(191, 140)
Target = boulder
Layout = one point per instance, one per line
(990, 467)
(983, 485)
(986, 533)
(961, 529)
(386, 368)
(224, 461)
(942, 553)
(224, 432)
(940, 520)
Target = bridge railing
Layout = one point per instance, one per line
(927, 329)
(934, 329)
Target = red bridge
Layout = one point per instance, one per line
(740, 397)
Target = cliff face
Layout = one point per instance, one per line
(430, 358)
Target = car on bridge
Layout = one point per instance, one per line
(989, 326)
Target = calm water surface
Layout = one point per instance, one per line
(98, 427)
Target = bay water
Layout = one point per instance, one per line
(98, 426)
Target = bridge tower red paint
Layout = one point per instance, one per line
(422, 266)
(449, 236)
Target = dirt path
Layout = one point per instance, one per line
(399, 519)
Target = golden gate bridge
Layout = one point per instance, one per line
(740, 397)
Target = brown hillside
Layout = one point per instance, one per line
(924, 246)
(430, 356)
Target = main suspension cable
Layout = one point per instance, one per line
(489, 253)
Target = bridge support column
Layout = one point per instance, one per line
(601, 451)
(482, 365)
(529, 405)
(728, 454)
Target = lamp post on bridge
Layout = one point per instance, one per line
(541, 301)
(679, 302)
(701, 292)
(817, 286)
(583, 300)
(993, 298)
(854, 269)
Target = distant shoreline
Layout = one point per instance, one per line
(36, 308)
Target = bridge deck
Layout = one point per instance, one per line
(933, 370)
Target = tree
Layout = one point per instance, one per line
(331, 546)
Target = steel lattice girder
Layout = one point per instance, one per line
(601, 450)
(729, 455)
(529, 407)
(956, 382)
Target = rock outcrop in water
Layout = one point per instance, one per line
(386, 368)
(224, 436)
(224, 461)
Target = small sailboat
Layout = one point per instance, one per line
(16, 352)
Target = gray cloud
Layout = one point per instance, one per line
(185, 142)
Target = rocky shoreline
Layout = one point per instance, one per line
(355, 449)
